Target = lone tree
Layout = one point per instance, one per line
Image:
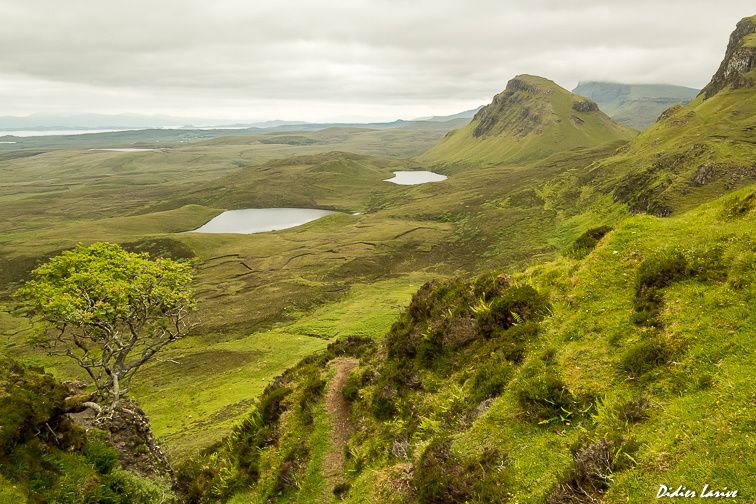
(110, 310)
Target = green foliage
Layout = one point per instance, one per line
(543, 396)
(100, 455)
(442, 477)
(586, 242)
(49, 459)
(518, 303)
(739, 206)
(490, 379)
(590, 475)
(645, 356)
(110, 310)
(103, 284)
(29, 398)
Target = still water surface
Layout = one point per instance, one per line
(415, 177)
(259, 220)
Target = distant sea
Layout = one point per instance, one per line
(33, 133)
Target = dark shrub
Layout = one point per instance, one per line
(634, 410)
(341, 490)
(351, 346)
(351, 390)
(442, 477)
(512, 342)
(663, 269)
(655, 273)
(439, 476)
(586, 242)
(29, 398)
(490, 379)
(660, 270)
(291, 469)
(312, 390)
(589, 477)
(543, 396)
(518, 304)
(737, 207)
(433, 303)
(645, 356)
(383, 405)
(270, 407)
(490, 285)
(101, 456)
(356, 380)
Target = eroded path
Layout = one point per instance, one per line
(338, 417)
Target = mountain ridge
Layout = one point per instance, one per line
(635, 105)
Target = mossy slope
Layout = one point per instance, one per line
(694, 152)
(557, 384)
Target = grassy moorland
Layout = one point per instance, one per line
(256, 290)
(516, 373)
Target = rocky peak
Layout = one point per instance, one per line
(518, 110)
(519, 84)
(739, 60)
(584, 105)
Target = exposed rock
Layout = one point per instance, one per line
(520, 85)
(584, 106)
(671, 111)
(130, 435)
(739, 60)
(705, 174)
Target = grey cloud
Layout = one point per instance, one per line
(310, 55)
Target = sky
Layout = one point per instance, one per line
(339, 60)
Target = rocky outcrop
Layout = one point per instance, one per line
(513, 110)
(584, 106)
(130, 435)
(739, 61)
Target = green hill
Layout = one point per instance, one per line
(695, 152)
(635, 105)
(531, 119)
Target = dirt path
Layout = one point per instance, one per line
(338, 416)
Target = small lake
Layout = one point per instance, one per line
(415, 177)
(260, 220)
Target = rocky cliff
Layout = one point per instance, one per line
(739, 63)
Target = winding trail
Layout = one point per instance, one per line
(338, 417)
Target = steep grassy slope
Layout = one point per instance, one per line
(46, 457)
(635, 105)
(594, 378)
(693, 153)
(531, 119)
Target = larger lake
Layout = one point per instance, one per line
(260, 220)
(415, 177)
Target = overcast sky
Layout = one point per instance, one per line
(339, 59)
